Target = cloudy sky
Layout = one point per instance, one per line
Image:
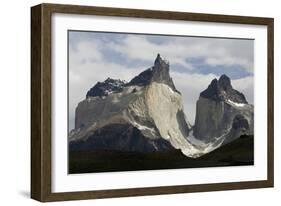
(194, 62)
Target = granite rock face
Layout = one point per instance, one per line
(149, 107)
(221, 110)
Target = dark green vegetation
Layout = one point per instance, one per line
(239, 152)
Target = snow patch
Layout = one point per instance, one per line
(203, 147)
(172, 91)
(236, 104)
(142, 127)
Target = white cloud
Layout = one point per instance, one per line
(215, 61)
(246, 86)
(214, 51)
(88, 65)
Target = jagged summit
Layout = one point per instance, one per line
(160, 61)
(106, 87)
(224, 82)
(221, 90)
(159, 72)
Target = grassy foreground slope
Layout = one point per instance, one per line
(238, 152)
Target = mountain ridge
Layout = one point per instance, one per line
(151, 106)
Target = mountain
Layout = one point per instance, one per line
(222, 113)
(146, 115)
(143, 115)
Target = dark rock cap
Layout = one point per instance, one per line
(159, 72)
(224, 82)
(221, 90)
(106, 87)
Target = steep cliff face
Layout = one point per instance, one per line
(146, 114)
(148, 111)
(222, 112)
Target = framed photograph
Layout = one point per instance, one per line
(129, 102)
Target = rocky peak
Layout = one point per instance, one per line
(221, 90)
(160, 62)
(159, 73)
(224, 82)
(106, 87)
(222, 112)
